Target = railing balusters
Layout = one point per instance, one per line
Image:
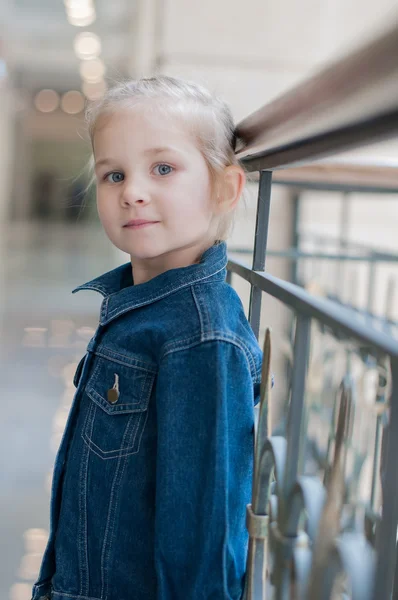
(305, 538)
(295, 416)
(285, 539)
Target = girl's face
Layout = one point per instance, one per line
(149, 169)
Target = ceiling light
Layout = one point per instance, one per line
(72, 102)
(82, 22)
(92, 70)
(47, 101)
(80, 12)
(94, 91)
(75, 5)
(87, 45)
(78, 3)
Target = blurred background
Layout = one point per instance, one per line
(55, 56)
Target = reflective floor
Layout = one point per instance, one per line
(44, 330)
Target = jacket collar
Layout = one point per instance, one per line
(121, 295)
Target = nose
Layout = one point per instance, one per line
(134, 192)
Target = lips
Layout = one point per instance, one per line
(139, 223)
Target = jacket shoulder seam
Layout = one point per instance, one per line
(213, 336)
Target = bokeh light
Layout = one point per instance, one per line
(82, 22)
(35, 540)
(92, 70)
(80, 13)
(47, 101)
(72, 102)
(21, 591)
(87, 45)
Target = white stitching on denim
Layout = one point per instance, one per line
(136, 416)
(199, 311)
(105, 352)
(83, 549)
(165, 292)
(85, 455)
(74, 597)
(104, 548)
(215, 336)
(118, 451)
(117, 408)
(121, 453)
(191, 343)
(104, 308)
(206, 320)
(213, 280)
(179, 343)
(96, 284)
(90, 389)
(229, 337)
(97, 288)
(94, 374)
(143, 383)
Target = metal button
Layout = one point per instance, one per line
(113, 394)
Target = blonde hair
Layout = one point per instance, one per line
(209, 118)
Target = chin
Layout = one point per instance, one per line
(145, 253)
(138, 250)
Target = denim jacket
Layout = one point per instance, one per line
(154, 470)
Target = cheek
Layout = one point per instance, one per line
(195, 210)
(195, 196)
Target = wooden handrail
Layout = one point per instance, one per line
(351, 102)
(363, 177)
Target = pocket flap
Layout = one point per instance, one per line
(134, 386)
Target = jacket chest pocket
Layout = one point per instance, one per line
(118, 397)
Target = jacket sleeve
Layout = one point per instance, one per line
(204, 403)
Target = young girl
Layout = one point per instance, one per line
(154, 470)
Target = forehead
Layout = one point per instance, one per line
(140, 127)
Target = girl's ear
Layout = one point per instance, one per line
(230, 188)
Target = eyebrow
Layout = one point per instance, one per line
(103, 161)
(160, 149)
(157, 150)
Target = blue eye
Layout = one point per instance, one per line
(114, 177)
(164, 169)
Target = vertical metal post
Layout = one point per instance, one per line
(295, 415)
(386, 538)
(293, 434)
(376, 463)
(260, 246)
(295, 234)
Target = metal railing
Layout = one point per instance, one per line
(311, 533)
(339, 285)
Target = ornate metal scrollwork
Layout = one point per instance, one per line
(315, 539)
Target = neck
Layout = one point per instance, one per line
(146, 269)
